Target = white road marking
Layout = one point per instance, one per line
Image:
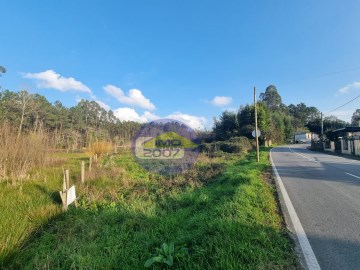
(306, 157)
(312, 159)
(306, 249)
(358, 177)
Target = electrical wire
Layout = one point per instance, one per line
(324, 75)
(342, 105)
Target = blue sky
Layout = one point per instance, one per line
(148, 59)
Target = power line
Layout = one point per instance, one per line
(343, 104)
(324, 75)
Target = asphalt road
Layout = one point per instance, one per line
(325, 192)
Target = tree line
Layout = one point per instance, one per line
(67, 128)
(277, 121)
(76, 127)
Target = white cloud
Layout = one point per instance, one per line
(231, 109)
(135, 97)
(195, 122)
(128, 114)
(150, 116)
(78, 98)
(51, 79)
(221, 101)
(346, 89)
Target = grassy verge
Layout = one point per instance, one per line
(221, 211)
(28, 206)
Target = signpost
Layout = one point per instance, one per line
(258, 133)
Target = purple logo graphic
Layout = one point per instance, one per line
(165, 146)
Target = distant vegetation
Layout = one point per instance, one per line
(76, 127)
(67, 128)
(277, 121)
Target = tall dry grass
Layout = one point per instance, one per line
(100, 148)
(19, 154)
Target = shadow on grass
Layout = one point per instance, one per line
(53, 195)
(225, 224)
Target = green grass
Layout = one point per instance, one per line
(222, 211)
(28, 206)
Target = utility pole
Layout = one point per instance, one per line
(322, 127)
(256, 128)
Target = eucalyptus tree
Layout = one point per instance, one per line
(271, 97)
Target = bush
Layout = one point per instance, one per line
(233, 145)
(245, 143)
(100, 148)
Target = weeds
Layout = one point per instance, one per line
(221, 210)
(166, 254)
(19, 154)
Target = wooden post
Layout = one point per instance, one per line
(64, 182)
(90, 162)
(82, 172)
(256, 129)
(322, 128)
(67, 179)
(66, 186)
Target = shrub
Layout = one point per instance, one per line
(211, 149)
(100, 148)
(243, 143)
(233, 145)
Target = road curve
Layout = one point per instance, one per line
(325, 193)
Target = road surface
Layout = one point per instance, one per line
(325, 193)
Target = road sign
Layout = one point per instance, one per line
(70, 195)
(258, 133)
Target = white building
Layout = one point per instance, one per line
(305, 137)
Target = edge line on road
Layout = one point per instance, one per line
(353, 175)
(305, 246)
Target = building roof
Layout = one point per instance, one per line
(346, 129)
